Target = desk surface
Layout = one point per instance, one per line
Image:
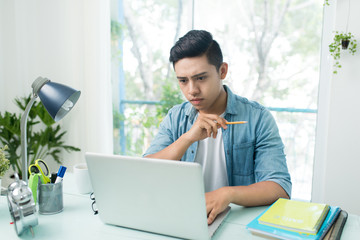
(78, 222)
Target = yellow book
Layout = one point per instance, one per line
(298, 216)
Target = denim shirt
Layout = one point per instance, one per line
(254, 151)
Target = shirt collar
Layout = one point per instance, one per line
(230, 107)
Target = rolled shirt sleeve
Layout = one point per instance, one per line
(270, 159)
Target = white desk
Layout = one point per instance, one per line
(77, 221)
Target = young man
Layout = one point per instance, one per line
(242, 164)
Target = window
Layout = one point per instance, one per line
(273, 51)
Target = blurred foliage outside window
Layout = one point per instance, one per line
(272, 48)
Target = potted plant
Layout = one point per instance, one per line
(342, 41)
(4, 163)
(46, 142)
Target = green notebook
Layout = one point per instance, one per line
(298, 216)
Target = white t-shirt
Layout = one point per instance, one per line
(211, 155)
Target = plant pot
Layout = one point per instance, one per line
(2, 189)
(2, 192)
(345, 43)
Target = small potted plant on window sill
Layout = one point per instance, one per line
(342, 41)
(4, 163)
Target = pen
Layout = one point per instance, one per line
(60, 174)
(239, 122)
(53, 177)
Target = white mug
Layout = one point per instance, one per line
(82, 178)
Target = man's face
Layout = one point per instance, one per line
(201, 83)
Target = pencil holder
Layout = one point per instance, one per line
(51, 198)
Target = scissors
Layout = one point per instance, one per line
(40, 168)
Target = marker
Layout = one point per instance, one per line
(53, 177)
(60, 174)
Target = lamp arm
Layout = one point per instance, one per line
(23, 124)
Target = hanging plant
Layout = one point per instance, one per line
(326, 2)
(342, 41)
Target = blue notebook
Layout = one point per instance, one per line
(260, 229)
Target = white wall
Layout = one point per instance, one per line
(337, 155)
(67, 41)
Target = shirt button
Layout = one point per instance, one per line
(192, 151)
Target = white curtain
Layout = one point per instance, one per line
(67, 41)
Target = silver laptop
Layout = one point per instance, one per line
(160, 196)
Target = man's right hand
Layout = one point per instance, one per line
(206, 125)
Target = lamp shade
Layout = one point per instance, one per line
(58, 99)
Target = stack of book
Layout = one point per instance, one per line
(296, 220)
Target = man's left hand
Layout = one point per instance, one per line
(216, 202)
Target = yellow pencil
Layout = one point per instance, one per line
(240, 122)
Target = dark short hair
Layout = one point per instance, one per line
(196, 43)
